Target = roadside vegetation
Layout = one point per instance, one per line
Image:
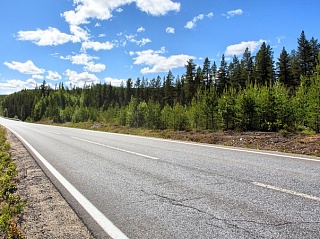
(254, 93)
(10, 202)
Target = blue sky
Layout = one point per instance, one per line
(92, 41)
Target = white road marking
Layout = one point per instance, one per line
(100, 218)
(287, 191)
(114, 148)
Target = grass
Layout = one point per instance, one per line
(10, 203)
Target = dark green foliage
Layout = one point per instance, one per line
(244, 94)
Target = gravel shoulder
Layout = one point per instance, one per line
(47, 214)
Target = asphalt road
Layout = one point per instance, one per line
(154, 188)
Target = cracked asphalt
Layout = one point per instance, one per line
(152, 188)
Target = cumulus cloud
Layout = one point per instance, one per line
(192, 24)
(80, 79)
(238, 49)
(53, 75)
(17, 85)
(85, 60)
(233, 13)
(94, 67)
(25, 68)
(97, 46)
(155, 62)
(49, 37)
(170, 30)
(102, 9)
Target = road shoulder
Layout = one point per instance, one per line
(47, 214)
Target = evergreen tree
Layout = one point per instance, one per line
(305, 55)
(222, 79)
(264, 65)
(169, 89)
(284, 69)
(206, 73)
(190, 80)
(247, 68)
(235, 73)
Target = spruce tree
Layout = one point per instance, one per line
(264, 67)
(305, 55)
(284, 69)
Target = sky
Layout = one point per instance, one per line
(80, 42)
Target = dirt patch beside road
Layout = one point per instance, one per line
(47, 214)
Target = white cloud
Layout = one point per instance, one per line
(40, 77)
(192, 24)
(97, 46)
(114, 81)
(170, 30)
(25, 68)
(155, 62)
(80, 79)
(98, 24)
(17, 85)
(102, 9)
(53, 75)
(79, 34)
(102, 35)
(142, 42)
(141, 29)
(238, 49)
(157, 7)
(87, 61)
(233, 13)
(50, 37)
(94, 67)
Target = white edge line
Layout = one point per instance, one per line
(201, 145)
(118, 149)
(101, 219)
(287, 191)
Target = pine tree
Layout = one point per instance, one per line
(169, 89)
(190, 80)
(264, 67)
(206, 72)
(305, 55)
(235, 73)
(223, 79)
(247, 68)
(284, 69)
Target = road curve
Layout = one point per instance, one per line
(154, 188)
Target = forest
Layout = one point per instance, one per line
(251, 93)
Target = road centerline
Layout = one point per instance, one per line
(287, 191)
(115, 148)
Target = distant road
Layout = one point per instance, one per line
(139, 187)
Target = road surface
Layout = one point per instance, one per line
(139, 187)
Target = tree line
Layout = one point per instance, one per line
(251, 93)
